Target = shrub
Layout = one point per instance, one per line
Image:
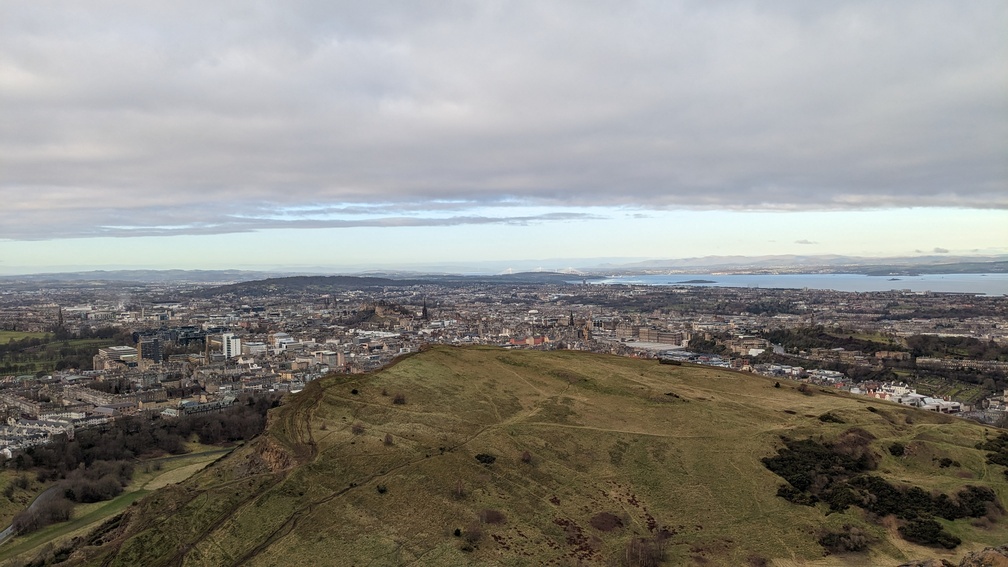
(458, 491)
(830, 418)
(605, 521)
(399, 399)
(897, 449)
(354, 391)
(526, 457)
(384, 392)
(490, 516)
(381, 488)
(486, 459)
(388, 439)
(926, 531)
(357, 428)
(849, 538)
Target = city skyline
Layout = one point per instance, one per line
(243, 136)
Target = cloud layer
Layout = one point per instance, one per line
(134, 118)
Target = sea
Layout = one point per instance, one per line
(981, 284)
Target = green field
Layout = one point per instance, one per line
(575, 436)
(45, 357)
(6, 336)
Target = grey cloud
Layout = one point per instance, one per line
(187, 114)
(940, 250)
(804, 241)
(140, 225)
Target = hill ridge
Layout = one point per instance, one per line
(521, 457)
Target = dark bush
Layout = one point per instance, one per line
(849, 538)
(946, 462)
(486, 459)
(897, 449)
(399, 399)
(835, 473)
(926, 531)
(605, 521)
(795, 496)
(526, 457)
(830, 418)
(354, 391)
(490, 516)
(357, 428)
(977, 501)
(388, 438)
(381, 488)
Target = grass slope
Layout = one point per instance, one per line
(658, 447)
(152, 474)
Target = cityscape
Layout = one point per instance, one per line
(504, 283)
(80, 354)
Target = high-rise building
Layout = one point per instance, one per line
(231, 345)
(149, 348)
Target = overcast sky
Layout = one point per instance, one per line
(226, 134)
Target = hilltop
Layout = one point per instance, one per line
(489, 456)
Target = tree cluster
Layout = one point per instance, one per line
(807, 338)
(836, 474)
(98, 463)
(956, 347)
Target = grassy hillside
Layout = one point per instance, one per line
(595, 459)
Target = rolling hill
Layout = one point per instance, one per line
(496, 457)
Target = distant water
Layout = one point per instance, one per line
(985, 284)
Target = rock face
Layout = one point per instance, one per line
(266, 456)
(989, 557)
(928, 563)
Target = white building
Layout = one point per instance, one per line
(231, 345)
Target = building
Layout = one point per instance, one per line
(112, 357)
(149, 348)
(231, 345)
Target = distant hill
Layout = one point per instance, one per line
(300, 284)
(140, 276)
(323, 284)
(934, 264)
(493, 457)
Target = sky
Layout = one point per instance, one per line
(358, 135)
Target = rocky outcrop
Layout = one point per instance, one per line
(264, 456)
(928, 563)
(989, 557)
